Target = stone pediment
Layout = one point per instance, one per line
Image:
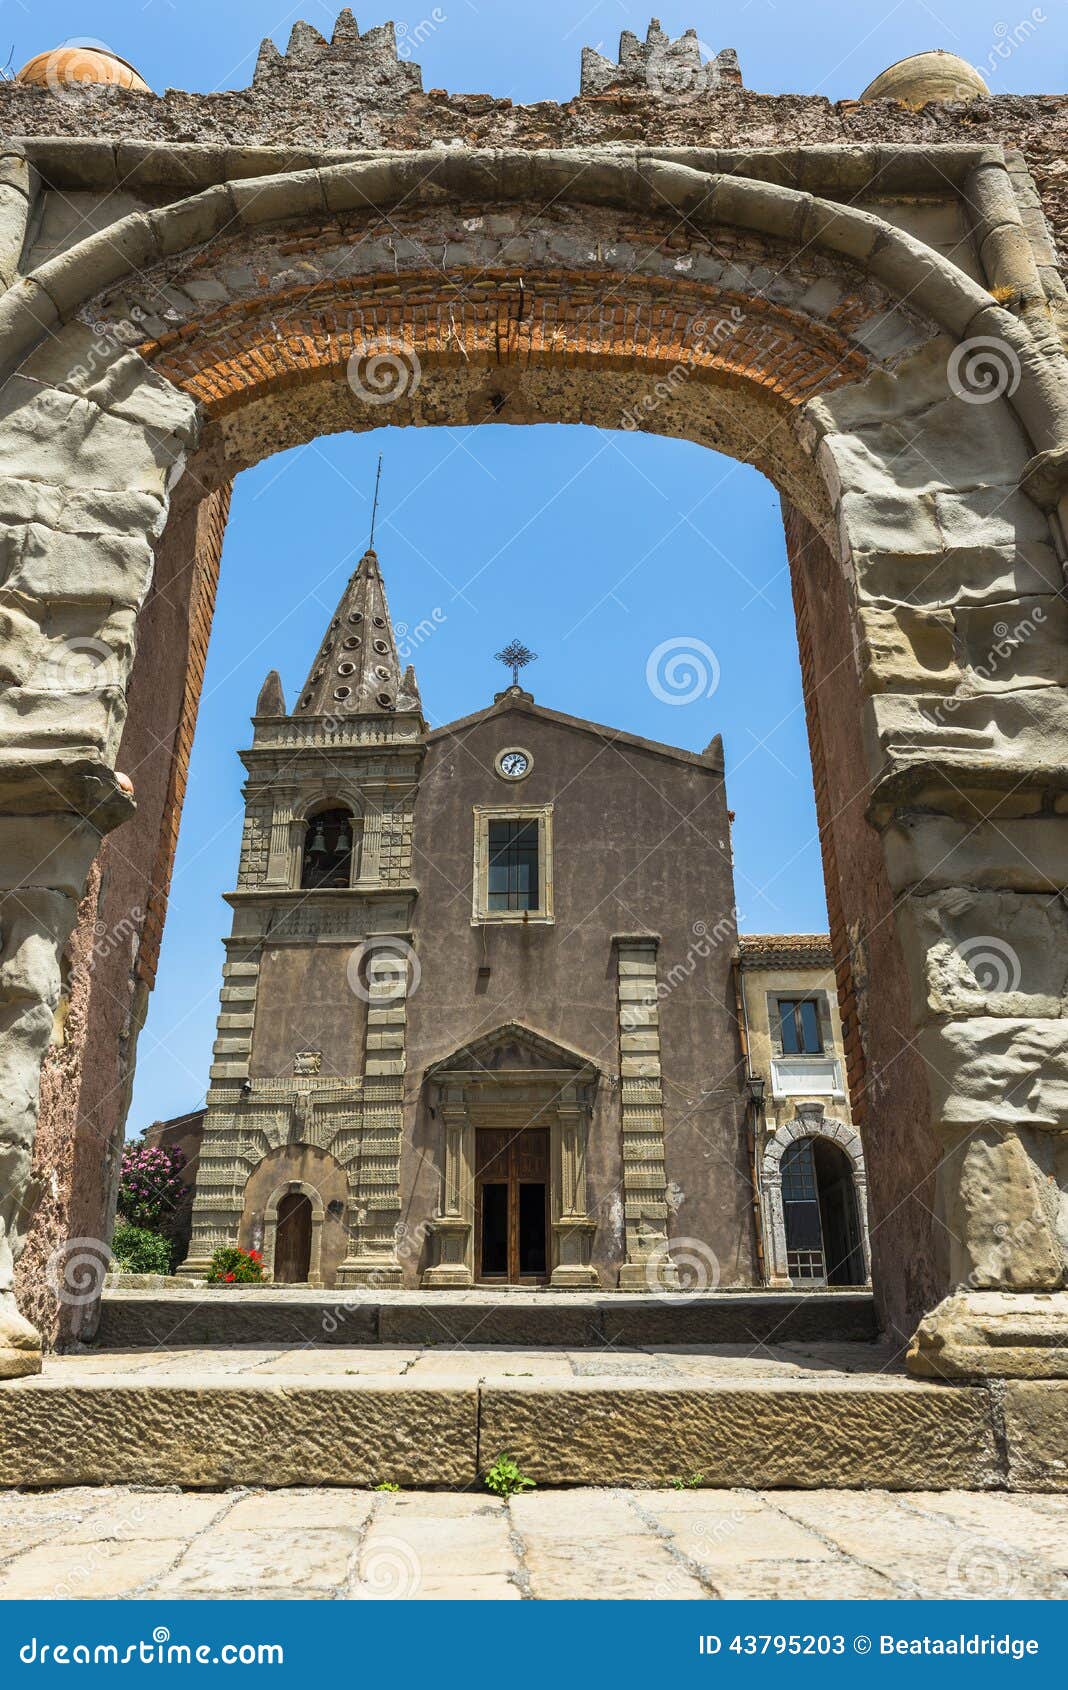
(513, 1048)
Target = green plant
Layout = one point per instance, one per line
(386, 1485)
(694, 1482)
(136, 1250)
(230, 1266)
(505, 1478)
(150, 1185)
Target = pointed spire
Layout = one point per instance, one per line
(272, 700)
(357, 670)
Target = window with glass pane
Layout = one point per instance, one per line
(513, 865)
(799, 1027)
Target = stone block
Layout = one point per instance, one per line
(235, 1433)
(895, 1435)
(985, 953)
(995, 1334)
(271, 199)
(1036, 1434)
(928, 852)
(907, 648)
(993, 1071)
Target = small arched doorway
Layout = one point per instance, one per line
(821, 1214)
(293, 1239)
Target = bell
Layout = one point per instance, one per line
(344, 838)
(317, 848)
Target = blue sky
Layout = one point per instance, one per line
(593, 547)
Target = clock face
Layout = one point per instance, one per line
(514, 764)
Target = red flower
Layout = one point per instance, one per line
(229, 1279)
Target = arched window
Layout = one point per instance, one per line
(329, 841)
(820, 1210)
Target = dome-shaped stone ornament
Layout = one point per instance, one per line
(81, 64)
(927, 77)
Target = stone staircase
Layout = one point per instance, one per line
(248, 1387)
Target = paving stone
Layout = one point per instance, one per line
(146, 1515)
(223, 1559)
(302, 1510)
(76, 1571)
(932, 1556)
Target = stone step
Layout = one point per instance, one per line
(781, 1418)
(255, 1315)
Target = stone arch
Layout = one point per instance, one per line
(910, 513)
(808, 1122)
(294, 1188)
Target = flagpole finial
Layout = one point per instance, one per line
(374, 505)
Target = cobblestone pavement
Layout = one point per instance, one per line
(674, 1544)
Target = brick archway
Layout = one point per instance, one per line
(814, 339)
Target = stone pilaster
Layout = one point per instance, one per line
(453, 1226)
(374, 1179)
(648, 1264)
(574, 1228)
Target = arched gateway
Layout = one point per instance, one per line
(874, 326)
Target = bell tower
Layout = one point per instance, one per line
(306, 1085)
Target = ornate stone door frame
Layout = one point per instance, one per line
(464, 1098)
(808, 1122)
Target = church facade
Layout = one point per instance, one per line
(478, 1022)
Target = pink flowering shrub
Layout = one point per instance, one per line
(150, 1186)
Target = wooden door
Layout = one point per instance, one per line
(292, 1239)
(512, 1205)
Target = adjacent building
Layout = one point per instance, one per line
(808, 1161)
